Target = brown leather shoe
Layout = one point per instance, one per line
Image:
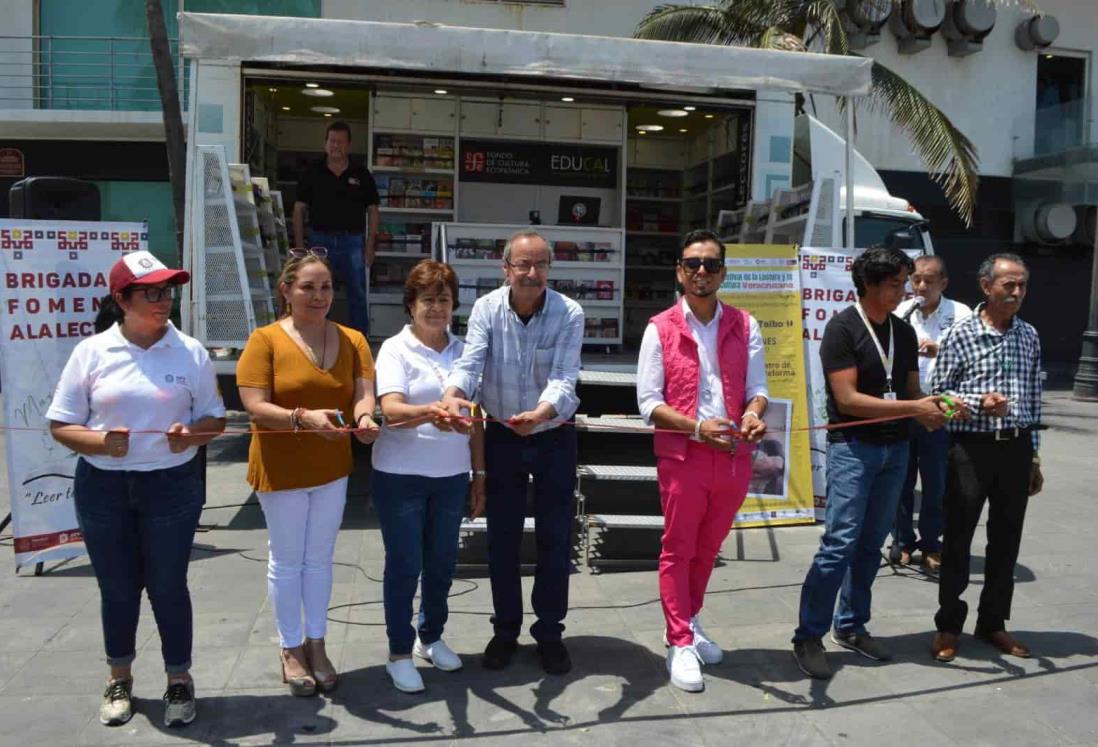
(932, 561)
(1006, 643)
(944, 646)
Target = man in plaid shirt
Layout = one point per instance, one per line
(990, 364)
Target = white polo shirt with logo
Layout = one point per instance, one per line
(405, 365)
(111, 383)
(933, 327)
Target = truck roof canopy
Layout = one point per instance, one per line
(439, 49)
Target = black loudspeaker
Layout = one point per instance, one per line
(54, 198)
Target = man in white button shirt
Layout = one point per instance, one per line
(929, 449)
(701, 380)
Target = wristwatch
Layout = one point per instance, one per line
(478, 473)
(1037, 460)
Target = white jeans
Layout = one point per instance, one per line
(302, 526)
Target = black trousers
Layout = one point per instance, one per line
(550, 457)
(981, 469)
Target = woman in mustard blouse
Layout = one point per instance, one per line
(306, 378)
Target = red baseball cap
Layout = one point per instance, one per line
(142, 268)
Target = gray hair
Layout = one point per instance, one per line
(526, 233)
(934, 258)
(987, 267)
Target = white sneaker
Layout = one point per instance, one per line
(685, 669)
(404, 675)
(708, 650)
(439, 654)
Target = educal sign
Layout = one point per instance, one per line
(551, 164)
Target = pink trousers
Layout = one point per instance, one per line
(700, 498)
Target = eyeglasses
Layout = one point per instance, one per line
(156, 294)
(313, 251)
(524, 266)
(712, 265)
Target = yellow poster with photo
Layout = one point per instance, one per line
(765, 281)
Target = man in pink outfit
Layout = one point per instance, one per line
(701, 372)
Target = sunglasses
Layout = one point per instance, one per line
(712, 265)
(313, 251)
(154, 294)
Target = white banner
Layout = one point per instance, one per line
(54, 275)
(826, 289)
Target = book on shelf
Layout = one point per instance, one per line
(413, 151)
(564, 286)
(565, 251)
(604, 328)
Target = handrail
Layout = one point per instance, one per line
(113, 73)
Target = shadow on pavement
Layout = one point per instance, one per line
(366, 693)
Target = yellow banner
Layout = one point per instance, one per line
(764, 280)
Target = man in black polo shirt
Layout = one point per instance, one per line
(340, 196)
(870, 360)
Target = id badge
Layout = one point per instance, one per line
(889, 395)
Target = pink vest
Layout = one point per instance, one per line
(682, 371)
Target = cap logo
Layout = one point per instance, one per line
(142, 263)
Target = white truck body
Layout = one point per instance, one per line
(812, 213)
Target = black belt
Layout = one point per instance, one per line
(339, 231)
(1003, 434)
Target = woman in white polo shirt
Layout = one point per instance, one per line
(138, 494)
(420, 481)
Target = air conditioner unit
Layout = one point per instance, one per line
(914, 22)
(1048, 222)
(1037, 32)
(864, 19)
(966, 24)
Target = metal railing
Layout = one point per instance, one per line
(112, 73)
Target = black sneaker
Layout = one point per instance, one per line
(179, 705)
(554, 657)
(811, 659)
(498, 653)
(117, 706)
(864, 644)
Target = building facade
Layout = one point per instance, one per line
(1029, 112)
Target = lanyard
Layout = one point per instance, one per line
(886, 358)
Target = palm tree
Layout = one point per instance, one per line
(802, 25)
(173, 116)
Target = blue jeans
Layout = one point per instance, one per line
(510, 459)
(420, 519)
(929, 453)
(138, 529)
(863, 487)
(345, 254)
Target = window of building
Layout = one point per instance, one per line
(1061, 102)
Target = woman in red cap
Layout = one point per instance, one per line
(138, 494)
